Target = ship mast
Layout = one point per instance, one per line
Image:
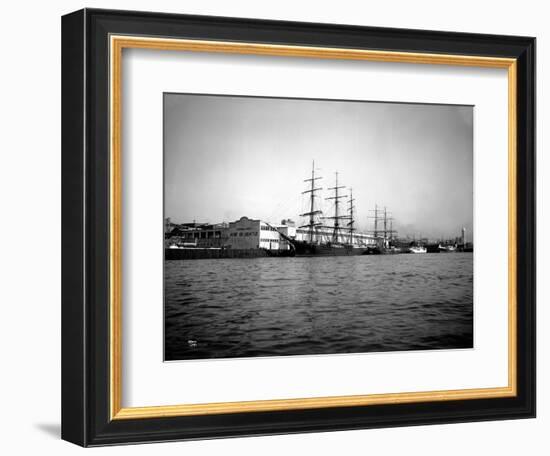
(351, 219)
(382, 216)
(385, 223)
(376, 221)
(336, 216)
(375, 217)
(312, 211)
(388, 233)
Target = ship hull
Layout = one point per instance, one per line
(447, 248)
(377, 250)
(418, 250)
(432, 248)
(307, 249)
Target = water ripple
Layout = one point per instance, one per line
(297, 306)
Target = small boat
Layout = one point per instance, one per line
(418, 249)
(447, 248)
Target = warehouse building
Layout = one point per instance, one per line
(248, 233)
(194, 234)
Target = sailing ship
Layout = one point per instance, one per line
(384, 237)
(321, 239)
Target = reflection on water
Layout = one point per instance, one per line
(314, 305)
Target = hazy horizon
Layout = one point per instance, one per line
(232, 156)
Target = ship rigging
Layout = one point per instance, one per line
(317, 243)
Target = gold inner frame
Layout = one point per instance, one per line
(117, 44)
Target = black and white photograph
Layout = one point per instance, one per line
(315, 227)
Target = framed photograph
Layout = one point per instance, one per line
(277, 227)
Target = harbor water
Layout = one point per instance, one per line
(227, 308)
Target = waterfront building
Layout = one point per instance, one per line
(287, 228)
(198, 235)
(248, 233)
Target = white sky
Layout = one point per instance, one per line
(226, 157)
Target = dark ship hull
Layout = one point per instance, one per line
(304, 248)
(432, 248)
(379, 250)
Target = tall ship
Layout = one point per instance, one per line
(385, 240)
(321, 238)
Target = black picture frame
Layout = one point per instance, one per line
(85, 223)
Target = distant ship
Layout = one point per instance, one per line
(316, 241)
(418, 249)
(447, 248)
